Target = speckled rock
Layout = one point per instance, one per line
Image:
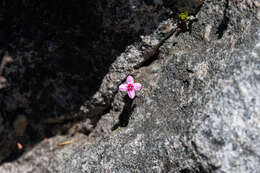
(47, 156)
(68, 59)
(198, 110)
(203, 113)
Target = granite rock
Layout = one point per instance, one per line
(203, 113)
(198, 110)
(64, 59)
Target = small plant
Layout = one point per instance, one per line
(130, 87)
(185, 21)
(184, 16)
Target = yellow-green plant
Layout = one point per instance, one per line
(184, 16)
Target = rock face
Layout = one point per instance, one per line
(63, 55)
(229, 135)
(61, 58)
(198, 111)
(203, 113)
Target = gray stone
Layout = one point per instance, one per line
(75, 63)
(198, 110)
(47, 156)
(203, 114)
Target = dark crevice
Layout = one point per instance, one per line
(152, 55)
(185, 26)
(224, 24)
(200, 169)
(14, 156)
(149, 61)
(189, 70)
(126, 113)
(70, 57)
(191, 6)
(186, 83)
(186, 170)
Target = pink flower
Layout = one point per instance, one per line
(130, 86)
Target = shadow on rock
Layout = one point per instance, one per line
(126, 113)
(61, 50)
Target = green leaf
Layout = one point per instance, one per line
(184, 16)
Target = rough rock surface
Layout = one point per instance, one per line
(62, 54)
(198, 110)
(203, 113)
(47, 156)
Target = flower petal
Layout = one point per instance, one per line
(130, 79)
(123, 87)
(137, 86)
(131, 94)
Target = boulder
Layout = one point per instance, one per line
(198, 110)
(202, 115)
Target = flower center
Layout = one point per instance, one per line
(130, 87)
